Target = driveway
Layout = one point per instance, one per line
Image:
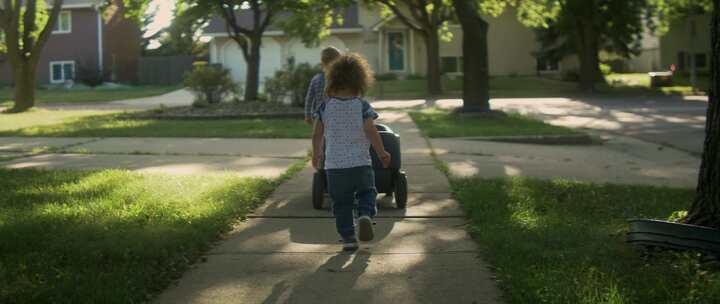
(178, 98)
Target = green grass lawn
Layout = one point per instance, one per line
(59, 95)
(639, 83)
(500, 87)
(564, 242)
(118, 125)
(441, 123)
(111, 236)
(631, 84)
(39, 117)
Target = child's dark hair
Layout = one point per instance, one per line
(329, 54)
(349, 72)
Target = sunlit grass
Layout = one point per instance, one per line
(60, 95)
(119, 125)
(39, 117)
(564, 242)
(111, 236)
(442, 123)
(640, 82)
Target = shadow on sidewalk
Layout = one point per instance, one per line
(337, 279)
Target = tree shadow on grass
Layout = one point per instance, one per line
(561, 241)
(120, 125)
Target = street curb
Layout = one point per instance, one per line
(582, 139)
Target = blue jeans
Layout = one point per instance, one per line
(346, 184)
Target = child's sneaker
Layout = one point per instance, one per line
(365, 228)
(350, 244)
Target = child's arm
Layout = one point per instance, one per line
(374, 137)
(310, 102)
(317, 144)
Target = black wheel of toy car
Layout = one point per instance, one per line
(401, 189)
(318, 190)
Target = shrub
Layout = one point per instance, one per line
(210, 84)
(386, 76)
(292, 81)
(414, 77)
(571, 75)
(91, 77)
(605, 69)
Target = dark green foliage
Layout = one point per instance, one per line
(91, 77)
(293, 81)
(210, 84)
(618, 23)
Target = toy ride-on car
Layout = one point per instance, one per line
(390, 180)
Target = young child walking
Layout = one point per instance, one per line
(345, 124)
(316, 90)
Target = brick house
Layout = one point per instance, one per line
(87, 38)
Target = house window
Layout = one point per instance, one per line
(700, 60)
(451, 64)
(64, 23)
(396, 51)
(547, 64)
(62, 71)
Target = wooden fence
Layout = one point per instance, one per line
(164, 70)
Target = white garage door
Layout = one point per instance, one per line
(270, 59)
(301, 53)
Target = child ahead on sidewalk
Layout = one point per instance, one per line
(345, 123)
(316, 90)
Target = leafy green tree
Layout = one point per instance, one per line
(182, 36)
(262, 14)
(26, 26)
(427, 18)
(586, 27)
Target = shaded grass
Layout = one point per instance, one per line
(59, 95)
(119, 125)
(564, 242)
(111, 236)
(619, 85)
(442, 123)
(500, 87)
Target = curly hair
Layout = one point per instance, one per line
(350, 72)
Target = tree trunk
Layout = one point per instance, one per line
(24, 75)
(705, 210)
(432, 45)
(588, 53)
(252, 78)
(476, 79)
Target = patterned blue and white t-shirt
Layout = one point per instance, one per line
(346, 145)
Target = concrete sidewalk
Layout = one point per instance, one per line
(288, 252)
